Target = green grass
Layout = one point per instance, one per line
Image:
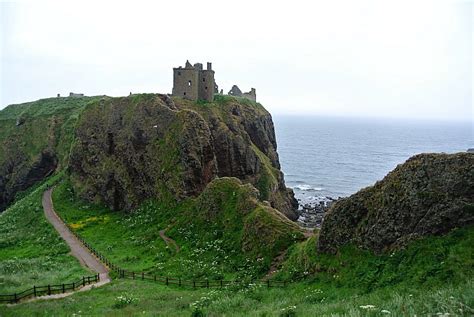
(32, 253)
(47, 123)
(143, 298)
(218, 232)
(429, 262)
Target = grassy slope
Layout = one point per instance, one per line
(46, 121)
(431, 262)
(217, 232)
(303, 299)
(32, 253)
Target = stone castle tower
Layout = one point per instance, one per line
(194, 82)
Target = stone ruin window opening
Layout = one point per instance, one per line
(206, 88)
(189, 83)
(184, 94)
(204, 79)
(179, 73)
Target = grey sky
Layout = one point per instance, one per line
(351, 58)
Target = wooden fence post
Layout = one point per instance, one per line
(34, 291)
(207, 283)
(268, 283)
(88, 280)
(133, 275)
(15, 299)
(83, 281)
(194, 284)
(166, 281)
(143, 275)
(73, 286)
(64, 289)
(49, 289)
(222, 284)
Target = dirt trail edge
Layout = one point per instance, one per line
(168, 240)
(78, 250)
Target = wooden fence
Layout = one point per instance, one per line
(204, 283)
(37, 291)
(62, 288)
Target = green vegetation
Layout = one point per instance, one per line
(32, 252)
(224, 233)
(430, 262)
(143, 298)
(46, 123)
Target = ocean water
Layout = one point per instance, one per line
(335, 157)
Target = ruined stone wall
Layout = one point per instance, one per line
(206, 85)
(186, 83)
(252, 94)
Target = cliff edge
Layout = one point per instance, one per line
(138, 147)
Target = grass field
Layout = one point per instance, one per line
(142, 298)
(207, 249)
(32, 252)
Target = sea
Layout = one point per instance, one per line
(328, 158)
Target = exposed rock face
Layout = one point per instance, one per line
(139, 147)
(35, 139)
(19, 174)
(428, 194)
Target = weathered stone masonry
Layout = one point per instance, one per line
(194, 82)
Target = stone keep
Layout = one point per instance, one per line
(194, 82)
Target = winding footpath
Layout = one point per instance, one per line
(168, 240)
(78, 250)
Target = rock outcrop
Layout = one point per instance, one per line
(429, 194)
(134, 148)
(35, 139)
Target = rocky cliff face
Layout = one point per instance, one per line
(143, 146)
(428, 194)
(35, 138)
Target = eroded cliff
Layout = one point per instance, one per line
(144, 146)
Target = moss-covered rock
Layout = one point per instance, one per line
(428, 194)
(249, 226)
(143, 146)
(35, 139)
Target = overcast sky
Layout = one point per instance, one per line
(346, 58)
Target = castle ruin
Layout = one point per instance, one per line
(192, 82)
(235, 91)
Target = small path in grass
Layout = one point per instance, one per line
(78, 250)
(275, 266)
(168, 240)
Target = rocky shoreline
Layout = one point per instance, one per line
(311, 214)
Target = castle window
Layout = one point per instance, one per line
(206, 87)
(189, 83)
(184, 94)
(204, 79)
(179, 73)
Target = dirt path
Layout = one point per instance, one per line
(78, 250)
(168, 240)
(275, 266)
